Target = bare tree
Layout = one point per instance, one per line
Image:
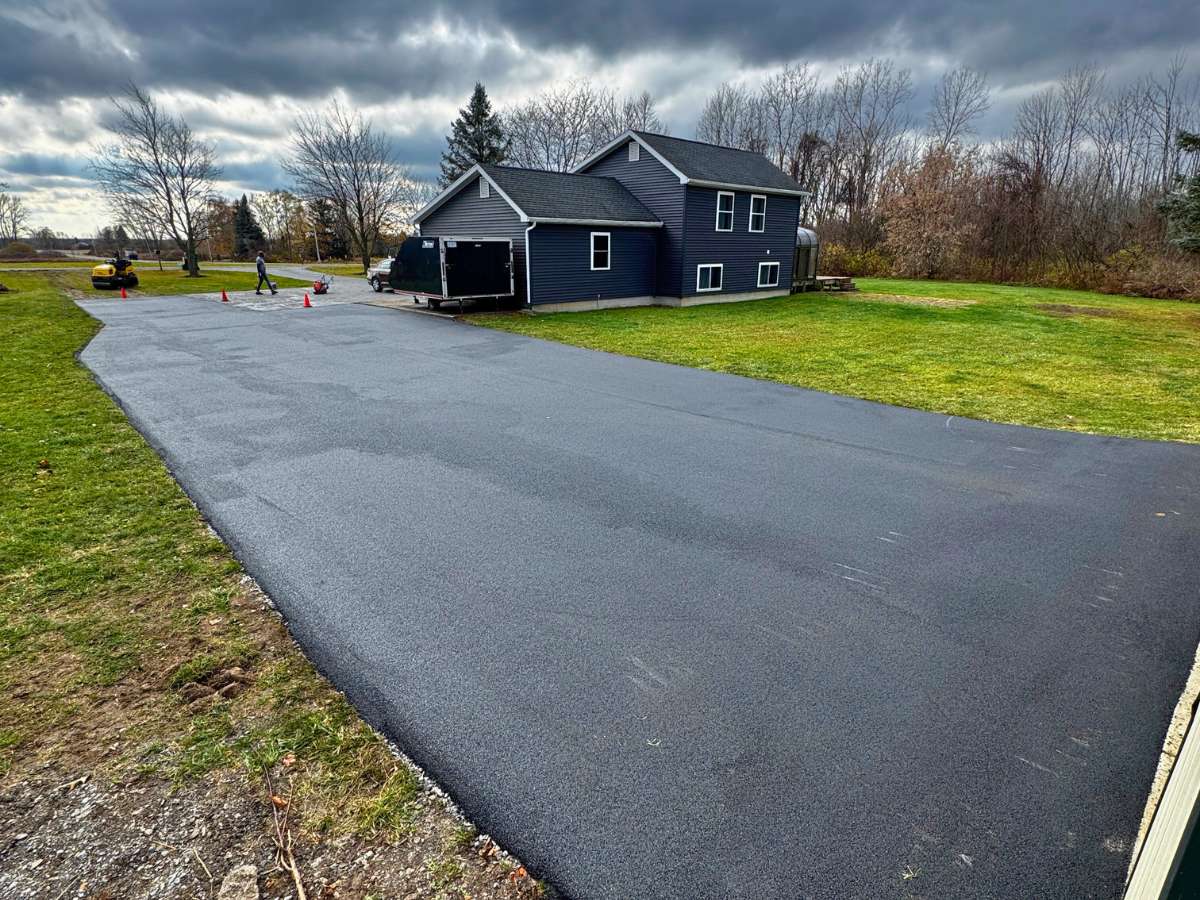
(722, 119)
(959, 99)
(640, 113)
(337, 156)
(13, 214)
(870, 102)
(157, 171)
(562, 126)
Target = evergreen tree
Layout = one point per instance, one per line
(476, 136)
(247, 234)
(1182, 206)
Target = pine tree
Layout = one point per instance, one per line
(247, 234)
(1182, 206)
(476, 136)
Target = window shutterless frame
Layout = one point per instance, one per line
(724, 211)
(758, 213)
(601, 251)
(768, 274)
(709, 277)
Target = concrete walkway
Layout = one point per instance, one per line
(676, 634)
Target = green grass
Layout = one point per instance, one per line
(112, 588)
(1121, 365)
(338, 268)
(152, 282)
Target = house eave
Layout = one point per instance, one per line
(616, 223)
(753, 188)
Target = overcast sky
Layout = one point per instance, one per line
(240, 71)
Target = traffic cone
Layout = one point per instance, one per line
(224, 296)
(123, 294)
(307, 302)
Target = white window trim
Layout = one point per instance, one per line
(485, 189)
(635, 151)
(721, 286)
(607, 235)
(732, 208)
(769, 263)
(750, 223)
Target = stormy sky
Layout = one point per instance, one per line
(239, 72)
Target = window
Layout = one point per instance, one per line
(601, 257)
(758, 212)
(768, 274)
(724, 211)
(708, 277)
(485, 189)
(635, 151)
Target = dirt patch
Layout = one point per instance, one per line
(911, 301)
(1066, 309)
(84, 837)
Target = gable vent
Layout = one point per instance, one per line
(635, 151)
(485, 189)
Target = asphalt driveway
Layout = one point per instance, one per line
(671, 633)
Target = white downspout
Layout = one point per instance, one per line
(528, 279)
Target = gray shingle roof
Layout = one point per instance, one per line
(724, 165)
(561, 195)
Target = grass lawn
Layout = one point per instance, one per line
(174, 280)
(1033, 356)
(132, 651)
(339, 268)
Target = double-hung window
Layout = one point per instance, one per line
(758, 212)
(601, 251)
(709, 277)
(768, 274)
(724, 211)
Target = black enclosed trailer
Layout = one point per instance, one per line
(453, 268)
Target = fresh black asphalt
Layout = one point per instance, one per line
(672, 633)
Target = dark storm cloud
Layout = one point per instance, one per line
(302, 50)
(42, 165)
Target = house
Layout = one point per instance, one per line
(648, 220)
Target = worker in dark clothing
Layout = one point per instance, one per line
(261, 264)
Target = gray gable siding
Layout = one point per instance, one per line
(561, 264)
(739, 250)
(468, 215)
(660, 191)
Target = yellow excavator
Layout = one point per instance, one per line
(114, 273)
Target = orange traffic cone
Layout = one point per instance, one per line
(307, 302)
(224, 296)
(123, 294)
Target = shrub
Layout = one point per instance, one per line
(1165, 276)
(18, 250)
(837, 259)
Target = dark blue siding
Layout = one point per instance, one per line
(740, 250)
(659, 189)
(561, 263)
(467, 215)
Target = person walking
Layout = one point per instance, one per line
(261, 265)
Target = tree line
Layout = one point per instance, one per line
(1078, 191)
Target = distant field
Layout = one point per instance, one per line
(1074, 360)
(174, 281)
(49, 264)
(338, 268)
